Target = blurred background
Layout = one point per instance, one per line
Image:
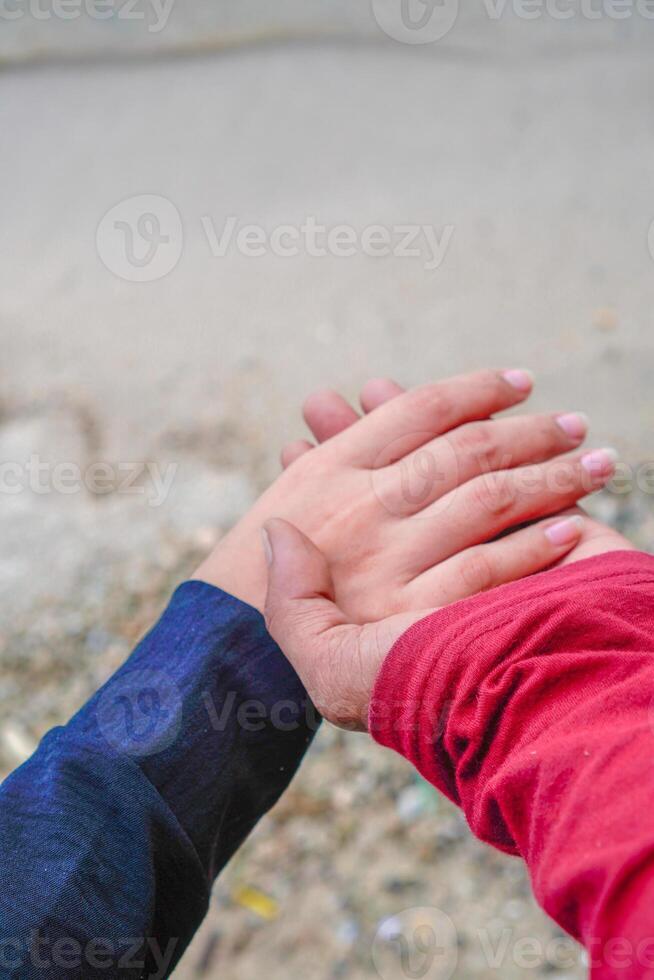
(210, 209)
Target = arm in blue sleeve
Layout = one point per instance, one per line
(112, 834)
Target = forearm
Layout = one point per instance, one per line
(118, 825)
(530, 706)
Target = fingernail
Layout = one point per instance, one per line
(565, 532)
(600, 462)
(267, 547)
(574, 424)
(519, 379)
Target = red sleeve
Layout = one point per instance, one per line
(532, 707)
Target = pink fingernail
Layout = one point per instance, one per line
(565, 532)
(600, 462)
(574, 424)
(520, 379)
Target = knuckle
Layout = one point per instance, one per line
(549, 432)
(429, 401)
(561, 477)
(492, 383)
(416, 480)
(531, 554)
(491, 378)
(478, 571)
(478, 440)
(496, 494)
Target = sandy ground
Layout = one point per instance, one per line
(525, 147)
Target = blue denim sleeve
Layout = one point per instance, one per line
(112, 834)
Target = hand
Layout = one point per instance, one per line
(327, 414)
(337, 661)
(393, 546)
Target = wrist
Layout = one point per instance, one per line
(237, 567)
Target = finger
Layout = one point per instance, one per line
(327, 413)
(293, 451)
(596, 539)
(440, 466)
(486, 566)
(300, 602)
(336, 660)
(419, 415)
(377, 392)
(306, 623)
(488, 505)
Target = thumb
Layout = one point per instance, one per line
(336, 660)
(300, 605)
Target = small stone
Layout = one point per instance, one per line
(410, 804)
(605, 318)
(17, 743)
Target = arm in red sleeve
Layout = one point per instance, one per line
(532, 707)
